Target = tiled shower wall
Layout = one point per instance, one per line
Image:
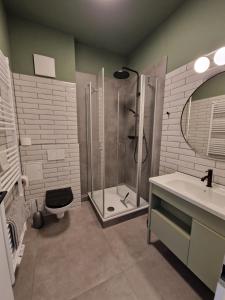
(47, 112)
(175, 154)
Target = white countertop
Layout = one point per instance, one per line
(193, 190)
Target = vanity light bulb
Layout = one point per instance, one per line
(202, 64)
(219, 57)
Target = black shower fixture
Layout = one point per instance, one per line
(134, 112)
(123, 73)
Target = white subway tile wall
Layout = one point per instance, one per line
(176, 155)
(47, 112)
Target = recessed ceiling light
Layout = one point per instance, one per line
(202, 64)
(219, 57)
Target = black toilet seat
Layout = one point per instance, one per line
(58, 198)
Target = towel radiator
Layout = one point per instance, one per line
(10, 171)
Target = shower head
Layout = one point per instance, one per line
(131, 70)
(121, 74)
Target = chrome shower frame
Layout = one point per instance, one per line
(140, 138)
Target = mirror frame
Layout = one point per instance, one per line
(204, 81)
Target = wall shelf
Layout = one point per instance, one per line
(174, 219)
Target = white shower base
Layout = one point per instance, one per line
(113, 196)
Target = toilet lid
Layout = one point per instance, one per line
(58, 198)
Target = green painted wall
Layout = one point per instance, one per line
(27, 38)
(91, 60)
(196, 28)
(4, 39)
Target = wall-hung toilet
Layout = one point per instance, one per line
(58, 201)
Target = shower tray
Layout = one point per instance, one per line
(113, 197)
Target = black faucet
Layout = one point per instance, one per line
(208, 177)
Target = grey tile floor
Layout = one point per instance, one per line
(75, 259)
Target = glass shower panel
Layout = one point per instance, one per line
(97, 142)
(151, 86)
(119, 146)
(127, 140)
(111, 126)
(118, 139)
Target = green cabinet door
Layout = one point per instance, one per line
(174, 237)
(206, 252)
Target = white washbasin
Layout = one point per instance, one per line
(194, 191)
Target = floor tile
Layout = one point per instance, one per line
(112, 289)
(73, 263)
(128, 240)
(31, 234)
(76, 259)
(155, 278)
(25, 272)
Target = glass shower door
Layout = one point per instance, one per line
(151, 111)
(144, 116)
(97, 145)
(141, 136)
(127, 139)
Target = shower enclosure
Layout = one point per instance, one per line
(120, 140)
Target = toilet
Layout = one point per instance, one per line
(58, 201)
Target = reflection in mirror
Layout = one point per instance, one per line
(6, 136)
(203, 118)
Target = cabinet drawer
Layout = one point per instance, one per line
(207, 249)
(174, 237)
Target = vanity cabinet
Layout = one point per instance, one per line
(207, 249)
(194, 235)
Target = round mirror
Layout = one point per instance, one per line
(203, 118)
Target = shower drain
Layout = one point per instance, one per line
(110, 208)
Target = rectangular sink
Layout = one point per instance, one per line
(191, 189)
